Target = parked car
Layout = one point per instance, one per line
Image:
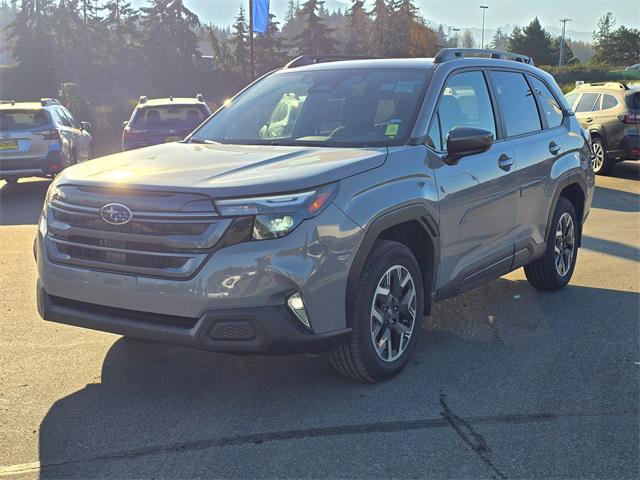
(40, 139)
(611, 113)
(633, 67)
(162, 120)
(400, 182)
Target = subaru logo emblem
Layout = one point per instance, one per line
(116, 214)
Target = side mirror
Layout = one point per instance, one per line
(464, 141)
(125, 123)
(85, 125)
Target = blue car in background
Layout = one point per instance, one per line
(162, 120)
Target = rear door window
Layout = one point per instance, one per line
(13, 120)
(609, 101)
(516, 102)
(550, 108)
(587, 103)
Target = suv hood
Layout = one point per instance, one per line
(224, 170)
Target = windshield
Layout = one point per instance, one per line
(183, 117)
(357, 107)
(22, 119)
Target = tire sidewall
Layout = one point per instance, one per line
(397, 255)
(563, 206)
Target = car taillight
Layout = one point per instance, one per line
(48, 134)
(630, 118)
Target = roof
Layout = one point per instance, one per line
(157, 102)
(378, 63)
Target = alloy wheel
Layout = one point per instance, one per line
(393, 313)
(565, 244)
(597, 159)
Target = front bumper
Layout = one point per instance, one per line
(241, 290)
(31, 167)
(269, 330)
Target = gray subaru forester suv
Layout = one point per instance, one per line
(325, 208)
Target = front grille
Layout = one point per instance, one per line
(163, 238)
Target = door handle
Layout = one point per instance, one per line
(554, 148)
(505, 162)
(588, 120)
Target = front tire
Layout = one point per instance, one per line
(600, 162)
(554, 270)
(386, 309)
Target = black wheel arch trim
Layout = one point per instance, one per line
(389, 218)
(573, 178)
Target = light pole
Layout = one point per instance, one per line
(456, 30)
(484, 9)
(564, 25)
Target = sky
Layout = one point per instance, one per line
(464, 14)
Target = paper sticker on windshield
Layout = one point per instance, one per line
(405, 87)
(392, 130)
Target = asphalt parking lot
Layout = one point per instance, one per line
(507, 382)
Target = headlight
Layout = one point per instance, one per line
(276, 216)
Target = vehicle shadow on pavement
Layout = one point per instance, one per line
(616, 200)
(21, 204)
(629, 170)
(502, 349)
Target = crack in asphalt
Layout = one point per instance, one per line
(472, 438)
(448, 419)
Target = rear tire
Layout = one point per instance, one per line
(554, 270)
(385, 315)
(600, 162)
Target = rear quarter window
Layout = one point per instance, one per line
(22, 119)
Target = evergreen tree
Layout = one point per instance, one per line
(359, 28)
(500, 40)
(270, 48)
(239, 42)
(170, 43)
(534, 41)
(380, 29)
(316, 38)
(33, 46)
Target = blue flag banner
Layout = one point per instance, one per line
(260, 15)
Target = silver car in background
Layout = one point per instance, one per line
(40, 139)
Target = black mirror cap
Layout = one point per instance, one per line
(125, 123)
(85, 125)
(464, 141)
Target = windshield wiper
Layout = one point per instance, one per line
(202, 140)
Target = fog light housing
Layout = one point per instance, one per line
(296, 305)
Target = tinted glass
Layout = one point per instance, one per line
(465, 103)
(571, 98)
(22, 119)
(70, 119)
(359, 107)
(587, 102)
(609, 101)
(517, 103)
(59, 117)
(183, 117)
(550, 107)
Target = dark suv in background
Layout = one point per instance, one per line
(611, 113)
(383, 185)
(162, 120)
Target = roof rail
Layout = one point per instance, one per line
(616, 85)
(446, 54)
(45, 102)
(12, 102)
(303, 60)
(143, 99)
